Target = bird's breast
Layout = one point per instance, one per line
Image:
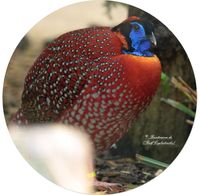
(143, 74)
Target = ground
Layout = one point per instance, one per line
(128, 172)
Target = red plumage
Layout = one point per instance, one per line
(83, 79)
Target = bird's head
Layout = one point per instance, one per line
(136, 36)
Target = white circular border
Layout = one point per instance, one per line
(18, 17)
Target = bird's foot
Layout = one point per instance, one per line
(108, 187)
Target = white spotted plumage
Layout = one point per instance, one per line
(77, 80)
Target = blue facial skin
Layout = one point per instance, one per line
(139, 42)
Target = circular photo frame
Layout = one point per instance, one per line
(99, 96)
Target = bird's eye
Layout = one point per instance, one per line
(136, 27)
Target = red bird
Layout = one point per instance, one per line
(98, 79)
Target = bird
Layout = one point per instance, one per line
(98, 79)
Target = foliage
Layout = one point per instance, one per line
(182, 86)
(165, 83)
(151, 162)
(179, 106)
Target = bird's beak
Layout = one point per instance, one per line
(153, 39)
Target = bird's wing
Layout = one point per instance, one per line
(59, 74)
(55, 88)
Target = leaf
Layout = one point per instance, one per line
(164, 77)
(179, 106)
(151, 162)
(185, 89)
(130, 186)
(165, 83)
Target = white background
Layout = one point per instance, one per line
(17, 17)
